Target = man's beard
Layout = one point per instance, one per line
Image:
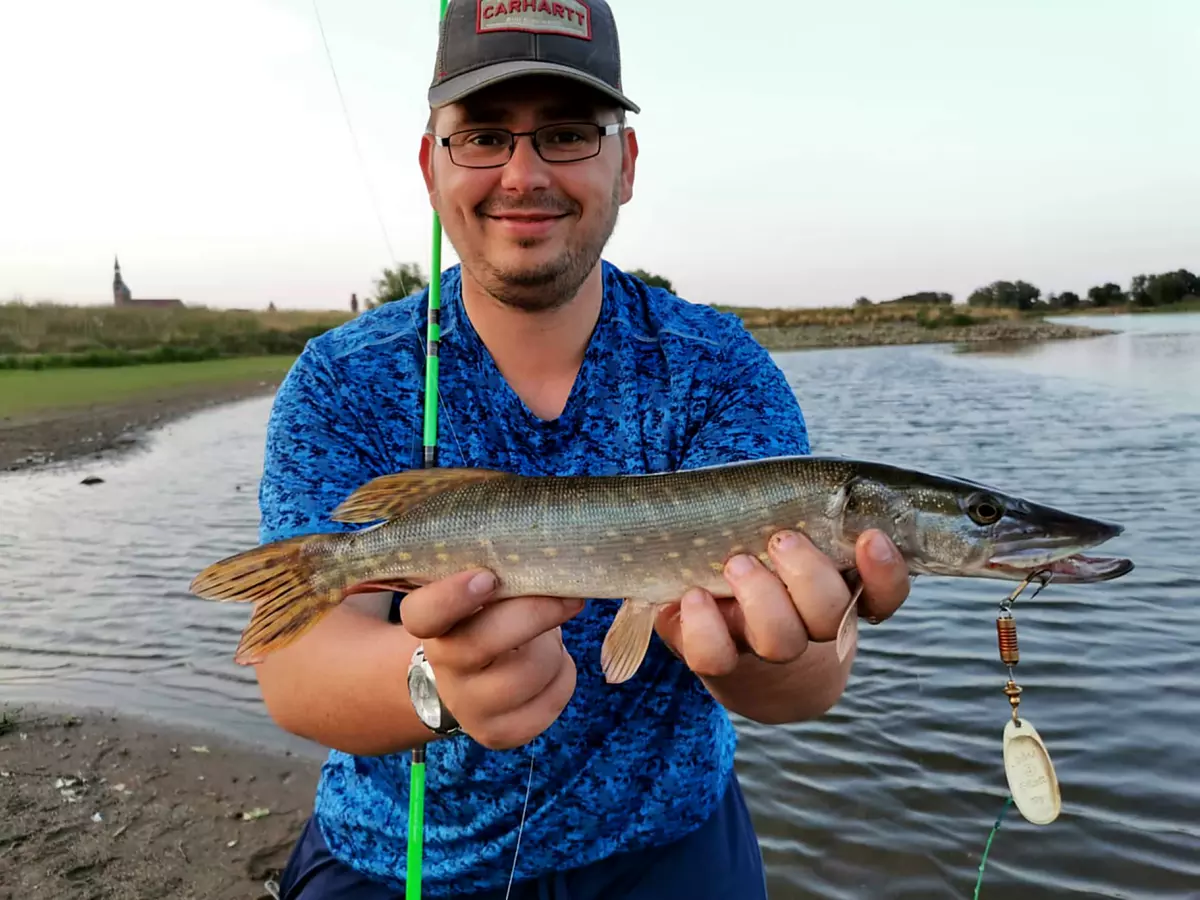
(554, 283)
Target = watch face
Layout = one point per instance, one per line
(425, 699)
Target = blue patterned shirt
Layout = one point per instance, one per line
(664, 385)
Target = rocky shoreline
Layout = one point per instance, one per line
(880, 334)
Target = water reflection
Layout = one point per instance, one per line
(893, 793)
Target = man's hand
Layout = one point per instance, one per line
(775, 615)
(500, 665)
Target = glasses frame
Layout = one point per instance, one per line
(606, 130)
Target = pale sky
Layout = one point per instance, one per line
(792, 153)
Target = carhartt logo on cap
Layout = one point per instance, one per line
(568, 17)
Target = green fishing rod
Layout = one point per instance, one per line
(416, 790)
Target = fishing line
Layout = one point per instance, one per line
(983, 862)
(353, 138)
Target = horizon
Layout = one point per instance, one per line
(930, 148)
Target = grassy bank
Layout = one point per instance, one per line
(25, 392)
(56, 336)
(1129, 309)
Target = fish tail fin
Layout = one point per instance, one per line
(627, 640)
(280, 578)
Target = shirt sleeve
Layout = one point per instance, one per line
(752, 412)
(318, 451)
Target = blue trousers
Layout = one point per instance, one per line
(718, 861)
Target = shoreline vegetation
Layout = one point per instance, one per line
(78, 382)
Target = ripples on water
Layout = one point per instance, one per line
(893, 793)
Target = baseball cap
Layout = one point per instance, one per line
(485, 42)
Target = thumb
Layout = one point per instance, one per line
(430, 611)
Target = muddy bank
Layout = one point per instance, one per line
(94, 431)
(878, 334)
(94, 805)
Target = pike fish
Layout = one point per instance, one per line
(643, 539)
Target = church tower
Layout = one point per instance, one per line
(121, 293)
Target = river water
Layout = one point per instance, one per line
(891, 795)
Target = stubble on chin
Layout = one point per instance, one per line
(552, 284)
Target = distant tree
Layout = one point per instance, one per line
(1006, 294)
(398, 283)
(1067, 300)
(925, 298)
(1106, 295)
(1164, 289)
(863, 301)
(653, 280)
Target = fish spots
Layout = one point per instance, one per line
(627, 557)
(764, 557)
(588, 549)
(726, 532)
(687, 573)
(800, 525)
(611, 534)
(639, 540)
(699, 542)
(717, 566)
(550, 551)
(443, 557)
(403, 556)
(440, 545)
(513, 558)
(674, 554)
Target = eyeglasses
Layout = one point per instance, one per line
(488, 148)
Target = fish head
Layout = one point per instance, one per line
(956, 527)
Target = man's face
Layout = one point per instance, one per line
(530, 232)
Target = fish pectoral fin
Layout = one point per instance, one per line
(373, 587)
(390, 495)
(627, 640)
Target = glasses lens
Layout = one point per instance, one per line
(481, 147)
(562, 143)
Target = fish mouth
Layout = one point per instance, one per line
(1075, 568)
(1042, 542)
(1044, 537)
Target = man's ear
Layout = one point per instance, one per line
(425, 158)
(628, 163)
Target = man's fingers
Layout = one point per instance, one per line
(505, 731)
(816, 586)
(884, 574)
(432, 610)
(515, 678)
(774, 630)
(705, 642)
(499, 628)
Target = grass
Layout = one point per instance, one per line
(1184, 306)
(56, 336)
(24, 391)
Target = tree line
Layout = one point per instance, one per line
(1145, 292)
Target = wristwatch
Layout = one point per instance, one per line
(422, 689)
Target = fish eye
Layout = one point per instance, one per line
(984, 510)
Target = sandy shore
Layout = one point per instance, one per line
(94, 805)
(94, 431)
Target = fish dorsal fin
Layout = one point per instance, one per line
(390, 495)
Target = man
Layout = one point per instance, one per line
(552, 362)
